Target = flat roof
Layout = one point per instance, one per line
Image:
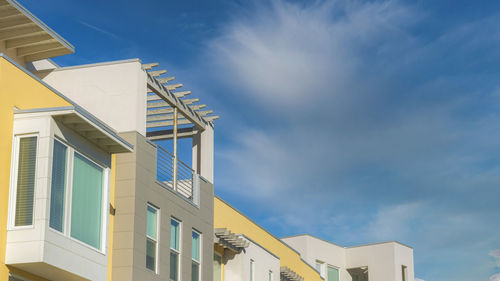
(348, 247)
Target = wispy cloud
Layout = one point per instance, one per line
(495, 277)
(366, 126)
(100, 30)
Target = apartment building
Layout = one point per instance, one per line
(388, 261)
(94, 184)
(90, 188)
(244, 251)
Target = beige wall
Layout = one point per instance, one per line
(136, 186)
(114, 92)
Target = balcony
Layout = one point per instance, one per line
(177, 176)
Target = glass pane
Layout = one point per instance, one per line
(57, 186)
(25, 193)
(333, 274)
(196, 246)
(217, 268)
(195, 271)
(174, 234)
(151, 254)
(174, 266)
(152, 220)
(86, 203)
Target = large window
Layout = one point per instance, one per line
(175, 251)
(57, 191)
(82, 182)
(217, 267)
(196, 260)
(333, 273)
(151, 238)
(25, 180)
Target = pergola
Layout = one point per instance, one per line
(167, 109)
(286, 274)
(228, 240)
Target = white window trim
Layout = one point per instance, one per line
(252, 270)
(179, 250)
(157, 240)
(332, 266)
(322, 269)
(13, 181)
(70, 154)
(221, 265)
(271, 275)
(200, 242)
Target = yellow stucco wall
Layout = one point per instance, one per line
(17, 89)
(226, 216)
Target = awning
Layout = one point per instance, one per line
(228, 240)
(27, 35)
(86, 125)
(287, 274)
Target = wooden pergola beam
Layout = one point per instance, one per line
(148, 66)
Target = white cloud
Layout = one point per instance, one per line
(418, 279)
(495, 277)
(496, 255)
(351, 124)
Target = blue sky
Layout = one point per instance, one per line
(354, 121)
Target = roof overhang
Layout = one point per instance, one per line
(228, 240)
(27, 35)
(84, 124)
(289, 275)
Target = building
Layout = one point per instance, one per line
(93, 193)
(94, 186)
(389, 261)
(244, 251)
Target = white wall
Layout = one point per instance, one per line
(115, 92)
(238, 267)
(384, 260)
(39, 249)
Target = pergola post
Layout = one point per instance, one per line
(175, 148)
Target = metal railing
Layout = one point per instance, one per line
(183, 181)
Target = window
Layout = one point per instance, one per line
(333, 274)
(174, 249)
(196, 260)
(252, 270)
(25, 180)
(270, 276)
(57, 190)
(87, 201)
(77, 187)
(404, 271)
(320, 268)
(217, 267)
(151, 238)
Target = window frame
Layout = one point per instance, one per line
(13, 181)
(177, 251)
(404, 272)
(334, 267)
(70, 156)
(322, 270)
(270, 275)
(157, 240)
(252, 270)
(200, 237)
(221, 265)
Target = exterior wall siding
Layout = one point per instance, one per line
(19, 90)
(135, 187)
(226, 216)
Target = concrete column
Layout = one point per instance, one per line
(203, 153)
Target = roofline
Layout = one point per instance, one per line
(79, 110)
(94, 64)
(272, 235)
(42, 25)
(348, 247)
